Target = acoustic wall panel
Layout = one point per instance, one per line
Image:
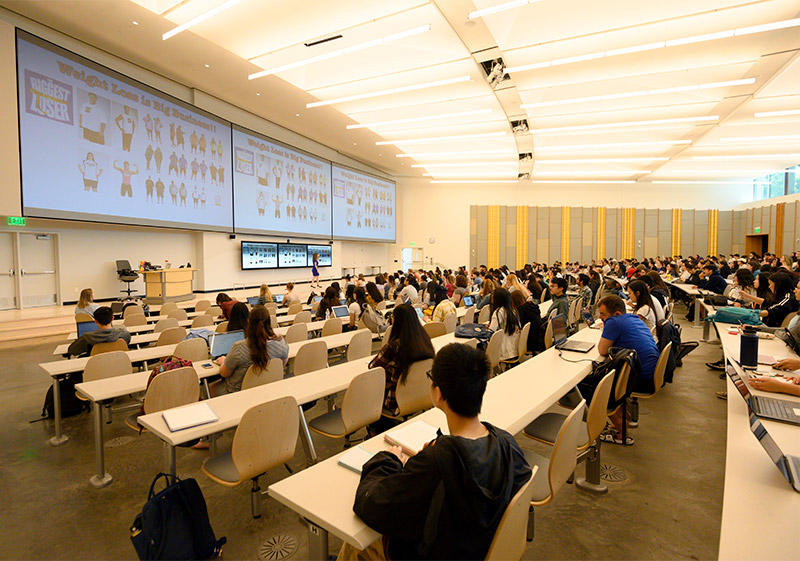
(773, 226)
(701, 232)
(612, 248)
(575, 233)
(554, 234)
(532, 223)
(687, 232)
(651, 232)
(725, 232)
(508, 249)
(664, 232)
(482, 218)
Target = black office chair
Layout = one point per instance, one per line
(126, 274)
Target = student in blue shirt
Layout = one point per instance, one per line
(627, 331)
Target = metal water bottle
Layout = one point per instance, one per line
(748, 349)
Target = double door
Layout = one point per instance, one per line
(29, 274)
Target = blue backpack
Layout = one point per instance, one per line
(737, 316)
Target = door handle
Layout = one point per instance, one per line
(22, 272)
(11, 272)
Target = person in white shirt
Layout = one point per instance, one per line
(289, 297)
(91, 171)
(504, 319)
(92, 119)
(642, 303)
(409, 293)
(126, 125)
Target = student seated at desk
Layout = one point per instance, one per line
(265, 295)
(711, 279)
(504, 319)
(226, 303)
(780, 302)
(789, 385)
(409, 292)
(558, 289)
(447, 501)
(461, 290)
(329, 300)
(528, 312)
(485, 294)
(626, 331)
(289, 297)
(642, 304)
(443, 306)
(258, 347)
(239, 316)
(86, 303)
(103, 316)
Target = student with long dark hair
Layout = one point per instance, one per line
(408, 343)
(239, 317)
(257, 348)
(504, 319)
(356, 308)
(783, 302)
(329, 300)
(528, 312)
(642, 302)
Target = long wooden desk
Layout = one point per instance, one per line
(760, 510)
(323, 494)
(693, 293)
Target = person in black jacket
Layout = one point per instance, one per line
(529, 312)
(447, 501)
(711, 279)
(783, 302)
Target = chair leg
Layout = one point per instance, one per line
(255, 498)
(625, 422)
(107, 410)
(592, 482)
(531, 525)
(634, 413)
(347, 441)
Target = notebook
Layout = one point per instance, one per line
(355, 459)
(86, 327)
(412, 437)
(560, 337)
(340, 311)
(765, 407)
(221, 343)
(191, 416)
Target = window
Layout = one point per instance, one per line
(793, 181)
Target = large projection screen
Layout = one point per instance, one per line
(363, 206)
(278, 189)
(100, 147)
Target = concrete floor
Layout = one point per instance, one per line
(667, 507)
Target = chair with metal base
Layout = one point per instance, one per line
(658, 381)
(126, 275)
(265, 438)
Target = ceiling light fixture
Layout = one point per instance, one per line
(202, 17)
(595, 172)
(580, 181)
(417, 119)
(707, 86)
(727, 171)
(612, 146)
(749, 157)
(664, 182)
(499, 8)
(344, 51)
(660, 45)
(629, 124)
(390, 91)
(464, 164)
(442, 138)
(135, 22)
(602, 160)
(466, 176)
(474, 181)
(777, 113)
(461, 153)
(760, 138)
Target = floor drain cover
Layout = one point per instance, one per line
(611, 473)
(114, 442)
(280, 546)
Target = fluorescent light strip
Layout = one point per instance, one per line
(602, 160)
(641, 93)
(465, 164)
(581, 172)
(660, 45)
(629, 124)
(760, 138)
(709, 182)
(390, 91)
(466, 176)
(499, 8)
(777, 113)
(345, 51)
(578, 181)
(612, 146)
(749, 157)
(202, 17)
(463, 153)
(440, 138)
(418, 119)
(727, 172)
(474, 181)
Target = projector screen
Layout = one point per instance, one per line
(363, 206)
(325, 255)
(98, 146)
(279, 190)
(259, 255)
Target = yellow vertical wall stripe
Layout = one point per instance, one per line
(713, 231)
(493, 249)
(676, 231)
(522, 236)
(628, 233)
(601, 233)
(564, 234)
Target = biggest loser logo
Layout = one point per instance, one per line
(244, 161)
(48, 98)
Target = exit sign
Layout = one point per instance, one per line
(15, 221)
(758, 229)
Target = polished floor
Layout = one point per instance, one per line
(667, 506)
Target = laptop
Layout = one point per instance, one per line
(252, 300)
(764, 407)
(560, 337)
(317, 298)
(86, 327)
(789, 466)
(588, 319)
(221, 343)
(468, 301)
(341, 311)
(278, 298)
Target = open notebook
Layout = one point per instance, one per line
(189, 416)
(413, 437)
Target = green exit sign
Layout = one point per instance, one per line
(758, 229)
(15, 221)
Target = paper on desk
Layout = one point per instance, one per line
(188, 417)
(355, 459)
(411, 438)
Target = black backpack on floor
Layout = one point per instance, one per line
(70, 404)
(174, 523)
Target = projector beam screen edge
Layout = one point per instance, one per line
(363, 206)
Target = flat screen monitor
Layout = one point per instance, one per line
(278, 189)
(292, 255)
(325, 255)
(259, 255)
(98, 146)
(363, 206)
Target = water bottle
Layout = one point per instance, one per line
(748, 349)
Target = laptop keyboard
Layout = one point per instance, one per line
(775, 408)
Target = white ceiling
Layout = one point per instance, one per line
(569, 117)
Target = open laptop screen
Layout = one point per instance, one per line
(86, 327)
(770, 446)
(468, 301)
(278, 298)
(340, 311)
(252, 300)
(221, 343)
(559, 329)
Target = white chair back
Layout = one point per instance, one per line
(360, 345)
(107, 365)
(302, 317)
(414, 395)
(450, 321)
(195, 350)
(165, 323)
(257, 377)
(484, 314)
(469, 315)
(332, 326)
(311, 356)
(363, 400)
(296, 332)
(179, 314)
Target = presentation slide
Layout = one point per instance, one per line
(325, 255)
(292, 255)
(101, 147)
(363, 206)
(259, 255)
(279, 190)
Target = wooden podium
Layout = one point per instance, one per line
(168, 285)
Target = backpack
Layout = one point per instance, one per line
(616, 359)
(174, 523)
(668, 332)
(70, 404)
(373, 320)
(736, 316)
(715, 299)
(473, 331)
